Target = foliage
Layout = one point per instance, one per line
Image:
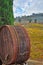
(30, 20)
(35, 20)
(19, 20)
(6, 12)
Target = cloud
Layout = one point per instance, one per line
(27, 7)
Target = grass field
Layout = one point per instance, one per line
(35, 32)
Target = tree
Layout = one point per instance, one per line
(6, 12)
(35, 20)
(19, 20)
(30, 20)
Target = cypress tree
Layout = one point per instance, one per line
(6, 12)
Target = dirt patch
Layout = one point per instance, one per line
(33, 62)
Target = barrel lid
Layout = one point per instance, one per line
(8, 44)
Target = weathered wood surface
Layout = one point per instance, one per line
(14, 44)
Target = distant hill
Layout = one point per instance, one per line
(37, 18)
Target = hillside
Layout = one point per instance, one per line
(32, 18)
(35, 32)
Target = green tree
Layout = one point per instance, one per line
(19, 20)
(30, 20)
(35, 20)
(6, 12)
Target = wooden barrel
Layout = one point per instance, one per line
(23, 44)
(14, 44)
(8, 44)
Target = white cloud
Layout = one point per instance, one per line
(27, 7)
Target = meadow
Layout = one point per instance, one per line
(35, 32)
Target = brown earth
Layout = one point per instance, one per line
(31, 62)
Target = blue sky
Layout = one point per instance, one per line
(27, 7)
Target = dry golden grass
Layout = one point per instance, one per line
(35, 32)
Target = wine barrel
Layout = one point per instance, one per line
(23, 44)
(8, 44)
(14, 44)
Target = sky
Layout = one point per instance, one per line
(27, 7)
